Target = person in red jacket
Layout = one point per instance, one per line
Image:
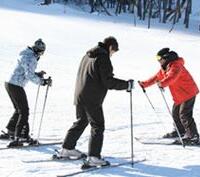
(183, 89)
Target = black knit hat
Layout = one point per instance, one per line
(39, 45)
(111, 41)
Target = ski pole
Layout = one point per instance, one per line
(35, 108)
(144, 91)
(179, 135)
(44, 105)
(131, 114)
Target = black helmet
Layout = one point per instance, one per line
(163, 52)
(167, 55)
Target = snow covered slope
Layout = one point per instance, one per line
(68, 36)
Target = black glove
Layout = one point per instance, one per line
(40, 74)
(130, 85)
(47, 82)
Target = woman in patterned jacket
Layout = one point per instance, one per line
(24, 71)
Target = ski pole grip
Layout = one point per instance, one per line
(50, 83)
(143, 89)
(161, 88)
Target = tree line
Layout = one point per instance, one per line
(165, 11)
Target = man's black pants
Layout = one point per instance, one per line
(85, 115)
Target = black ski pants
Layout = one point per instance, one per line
(19, 119)
(94, 116)
(183, 117)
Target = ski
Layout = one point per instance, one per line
(187, 143)
(112, 165)
(56, 157)
(5, 140)
(163, 141)
(154, 141)
(30, 145)
(52, 160)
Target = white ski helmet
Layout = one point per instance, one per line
(40, 45)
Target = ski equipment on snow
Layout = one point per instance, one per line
(35, 108)
(112, 165)
(161, 141)
(43, 110)
(6, 136)
(150, 102)
(131, 117)
(145, 93)
(86, 165)
(58, 156)
(27, 145)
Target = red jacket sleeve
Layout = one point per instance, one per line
(152, 80)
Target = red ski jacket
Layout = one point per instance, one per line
(180, 82)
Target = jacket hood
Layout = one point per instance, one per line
(168, 63)
(27, 52)
(96, 51)
(179, 61)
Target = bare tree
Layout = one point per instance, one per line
(166, 11)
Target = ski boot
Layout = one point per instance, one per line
(189, 141)
(94, 162)
(15, 143)
(194, 140)
(30, 140)
(7, 136)
(73, 154)
(172, 134)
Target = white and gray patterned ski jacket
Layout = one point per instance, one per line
(25, 69)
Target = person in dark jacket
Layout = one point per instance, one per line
(183, 89)
(95, 76)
